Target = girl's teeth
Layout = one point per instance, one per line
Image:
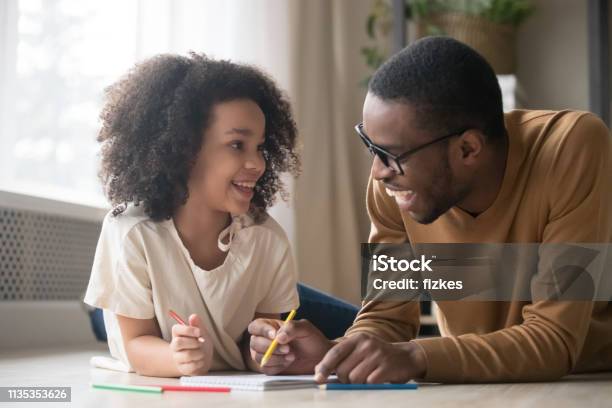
(245, 184)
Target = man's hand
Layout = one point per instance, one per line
(191, 356)
(364, 359)
(300, 345)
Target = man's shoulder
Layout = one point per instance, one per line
(549, 134)
(523, 116)
(567, 155)
(547, 120)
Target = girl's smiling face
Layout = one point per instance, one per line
(231, 158)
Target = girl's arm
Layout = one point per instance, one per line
(250, 363)
(150, 355)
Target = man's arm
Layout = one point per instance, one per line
(390, 321)
(548, 343)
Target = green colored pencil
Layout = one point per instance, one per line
(126, 387)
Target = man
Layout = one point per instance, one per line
(470, 174)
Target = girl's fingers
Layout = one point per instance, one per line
(192, 366)
(264, 327)
(274, 360)
(195, 321)
(182, 330)
(190, 356)
(276, 364)
(261, 344)
(185, 343)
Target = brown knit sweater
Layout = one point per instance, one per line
(557, 188)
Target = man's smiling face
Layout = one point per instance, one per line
(428, 187)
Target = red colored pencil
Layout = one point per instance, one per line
(193, 388)
(178, 319)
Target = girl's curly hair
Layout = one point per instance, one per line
(154, 120)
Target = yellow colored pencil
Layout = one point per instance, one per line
(274, 343)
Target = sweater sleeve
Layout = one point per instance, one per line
(391, 321)
(547, 344)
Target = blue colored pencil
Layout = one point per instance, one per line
(340, 386)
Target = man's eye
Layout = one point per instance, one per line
(404, 159)
(236, 145)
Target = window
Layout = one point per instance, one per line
(59, 55)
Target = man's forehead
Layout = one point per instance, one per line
(390, 123)
(376, 106)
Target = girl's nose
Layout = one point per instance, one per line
(255, 162)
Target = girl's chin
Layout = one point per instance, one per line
(240, 211)
(239, 207)
(240, 199)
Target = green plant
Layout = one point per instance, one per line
(378, 25)
(379, 21)
(513, 12)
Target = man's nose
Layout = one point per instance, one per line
(380, 171)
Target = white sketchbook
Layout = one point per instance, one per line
(241, 381)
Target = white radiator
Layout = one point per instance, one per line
(46, 253)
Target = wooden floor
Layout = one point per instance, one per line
(70, 367)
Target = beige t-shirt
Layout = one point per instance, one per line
(142, 269)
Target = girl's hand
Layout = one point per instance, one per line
(191, 356)
(300, 345)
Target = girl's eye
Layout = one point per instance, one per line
(261, 148)
(236, 145)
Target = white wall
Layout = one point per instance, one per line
(552, 51)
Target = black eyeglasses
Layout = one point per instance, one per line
(390, 160)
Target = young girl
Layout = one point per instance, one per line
(192, 152)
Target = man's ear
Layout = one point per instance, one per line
(471, 144)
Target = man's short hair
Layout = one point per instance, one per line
(450, 84)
